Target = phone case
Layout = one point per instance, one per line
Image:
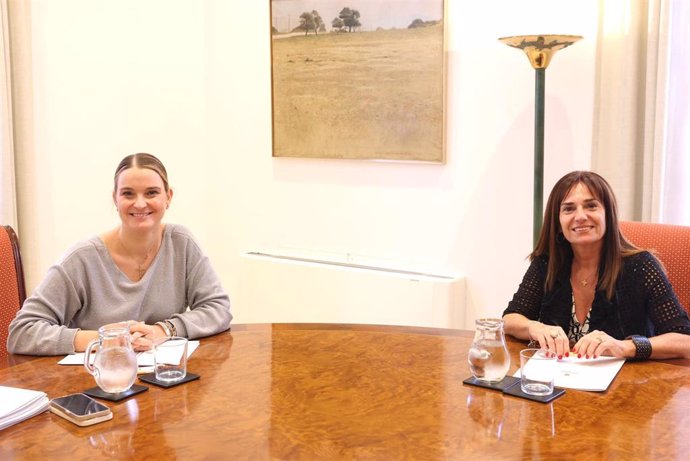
(82, 421)
(79, 406)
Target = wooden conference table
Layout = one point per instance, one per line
(329, 392)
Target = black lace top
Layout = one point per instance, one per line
(643, 303)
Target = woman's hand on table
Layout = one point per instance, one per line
(598, 343)
(145, 336)
(550, 337)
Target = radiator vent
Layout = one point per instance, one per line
(277, 287)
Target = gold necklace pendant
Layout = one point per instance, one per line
(585, 281)
(141, 270)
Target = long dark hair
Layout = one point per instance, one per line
(553, 244)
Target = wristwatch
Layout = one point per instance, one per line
(643, 347)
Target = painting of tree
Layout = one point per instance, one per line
(350, 18)
(367, 83)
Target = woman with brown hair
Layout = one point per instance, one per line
(588, 290)
(151, 274)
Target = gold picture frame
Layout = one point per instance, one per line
(366, 83)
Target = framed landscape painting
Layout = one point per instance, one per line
(358, 79)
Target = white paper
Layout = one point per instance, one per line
(144, 359)
(585, 374)
(18, 404)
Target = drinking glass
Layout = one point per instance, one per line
(170, 359)
(537, 371)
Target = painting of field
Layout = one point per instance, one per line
(364, 94)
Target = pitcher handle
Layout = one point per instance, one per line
(87, 356)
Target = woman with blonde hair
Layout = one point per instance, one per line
(151, 274)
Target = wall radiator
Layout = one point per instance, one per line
(293, 289)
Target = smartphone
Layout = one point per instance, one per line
(80, 409)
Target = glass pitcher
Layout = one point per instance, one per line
(115, 365)
(488, 356)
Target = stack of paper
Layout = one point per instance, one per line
(19, 404)
(585, 374)
(144, 359)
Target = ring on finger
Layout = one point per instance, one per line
(554, 334)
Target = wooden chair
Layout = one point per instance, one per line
(671, 244)
(12, 289)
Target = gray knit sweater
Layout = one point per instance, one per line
(86, 290)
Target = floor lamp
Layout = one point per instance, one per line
(539, 50)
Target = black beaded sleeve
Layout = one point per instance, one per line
(646, 294)
(527, 299)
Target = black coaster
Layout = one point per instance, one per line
(151, 379)
(517, 392)
(502, 385)
(99, 394)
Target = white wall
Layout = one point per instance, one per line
(190, 81)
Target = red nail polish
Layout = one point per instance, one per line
(594, 356)
(587, 356)
(560, 357)
(579, 356)
(567, 354)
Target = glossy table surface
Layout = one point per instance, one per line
(317, 391)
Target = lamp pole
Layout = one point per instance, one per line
(539, 50)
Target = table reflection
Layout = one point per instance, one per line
(488, 410)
